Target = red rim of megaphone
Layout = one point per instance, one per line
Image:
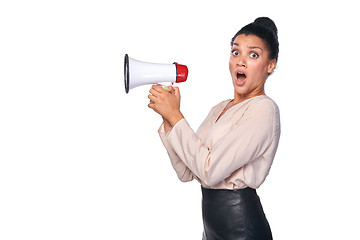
(181, 72)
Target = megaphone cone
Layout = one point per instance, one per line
(137, 73)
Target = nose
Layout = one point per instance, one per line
(240, 62)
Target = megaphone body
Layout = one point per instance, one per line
(137, 73)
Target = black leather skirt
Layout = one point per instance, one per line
(233, 214)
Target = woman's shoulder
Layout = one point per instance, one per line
(264, 101)
(267, 107)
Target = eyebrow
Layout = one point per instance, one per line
(251, 47)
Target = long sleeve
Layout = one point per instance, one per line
(182, 171)
(241, 152)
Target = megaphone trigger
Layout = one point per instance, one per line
(166, 85)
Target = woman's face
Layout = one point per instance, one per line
(250, 65)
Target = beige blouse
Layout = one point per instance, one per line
(232, 153)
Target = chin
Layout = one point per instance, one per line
(239, 89)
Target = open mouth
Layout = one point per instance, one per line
(240, 78)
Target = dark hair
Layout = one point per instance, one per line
(264, 28)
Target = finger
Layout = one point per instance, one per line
(154, 92)
(152, 98)
(177, 91)
(171, 89)
(158, 88)
(151, 105)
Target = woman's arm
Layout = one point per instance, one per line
(167, 104)
(183, 172)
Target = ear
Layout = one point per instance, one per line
(271, 66)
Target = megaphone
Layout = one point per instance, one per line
(137, 73)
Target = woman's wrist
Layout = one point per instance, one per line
(174, 119)
(167, 125)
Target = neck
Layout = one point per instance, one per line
(238, 98)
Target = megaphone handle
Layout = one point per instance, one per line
(165, 86)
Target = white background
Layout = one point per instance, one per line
(80, 159)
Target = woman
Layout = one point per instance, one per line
(232, 151)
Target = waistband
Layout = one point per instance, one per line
(210, 191)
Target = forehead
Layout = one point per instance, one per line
(249, 40)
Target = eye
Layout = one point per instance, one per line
(254, 55)
(235, 52)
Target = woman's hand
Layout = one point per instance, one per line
(166, 103)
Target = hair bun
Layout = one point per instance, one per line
(268, 23)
